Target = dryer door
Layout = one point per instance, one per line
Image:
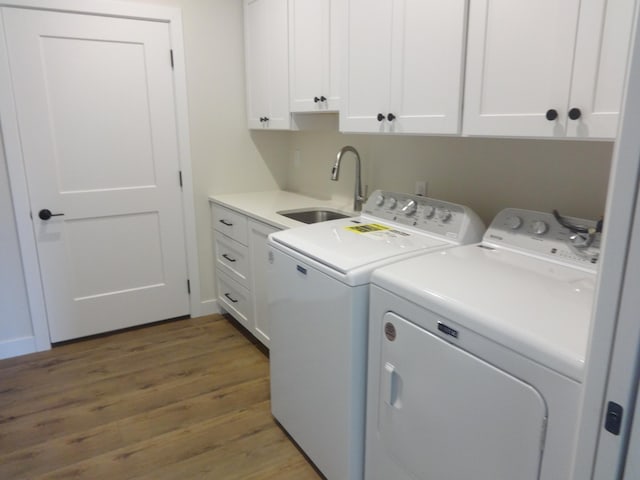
(445, 414)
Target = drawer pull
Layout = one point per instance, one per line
(233, 300)
(228, 224)
(231, 259)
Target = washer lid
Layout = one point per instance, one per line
(350, 243)
(535, 307)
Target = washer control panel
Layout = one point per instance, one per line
(543, 234)
(435, 216)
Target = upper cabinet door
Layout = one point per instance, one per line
(546, 68)
(427, 65)
(366, 82)
(599, 70)
(519, 63)
(267, 64)
(404, 66)
(313, 67)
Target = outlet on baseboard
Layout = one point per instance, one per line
(421, 188)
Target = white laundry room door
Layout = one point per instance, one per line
(95, 112)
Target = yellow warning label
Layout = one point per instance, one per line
(367, 228)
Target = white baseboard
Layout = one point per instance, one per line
(17, 346)
(209, 307)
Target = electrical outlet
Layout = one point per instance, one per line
(421, 188)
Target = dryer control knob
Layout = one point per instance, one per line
(514, 222)
(539, 227)
(380, 200)
(429, 211)
(581, 240)
(410, 207)
(443, 214)
(392, 202)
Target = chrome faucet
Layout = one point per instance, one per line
(335, 173)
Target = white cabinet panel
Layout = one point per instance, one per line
(600, 65)
(546, 68)
(258, 233)
(314, 62)
(404, 66)
(267, 64)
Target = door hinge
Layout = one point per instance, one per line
(188, 287)
(180, 177)
(171, 57)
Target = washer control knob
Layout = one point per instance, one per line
(539, 227)
(429, 211)
(392, 202)
(514, 222)
(443, 214)
(380, 200)
(410, 207)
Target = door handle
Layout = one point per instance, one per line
(45, 214)
(228, 258)
(390, 386)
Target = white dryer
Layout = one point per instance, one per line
(476, 354)
(318, 297)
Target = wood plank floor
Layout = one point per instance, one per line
(176, 400)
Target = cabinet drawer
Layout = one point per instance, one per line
(229, 222)
(232, 257)
(234, 298)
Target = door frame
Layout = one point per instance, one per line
(15, 163)
(612, 359)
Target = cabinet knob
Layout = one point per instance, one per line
(323, 98)
(391, 117)
(380, 117)
(575, 113)
(316, 99)
(264, 119)
(552, 114)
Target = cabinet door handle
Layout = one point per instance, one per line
(391, 117)
(233, 300)
(575, 113)
(316, 99)
(231, 259)
(380, 117)
(323, 98)
(551, 114)
(224, 222)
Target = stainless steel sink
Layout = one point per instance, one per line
(313, 215)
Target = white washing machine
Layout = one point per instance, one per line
(318, 308)
(476, 354)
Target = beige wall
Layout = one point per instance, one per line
(484, 173)
(225, 156)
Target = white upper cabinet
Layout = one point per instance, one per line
(403, 69)
(267, 64)
(314, 55)
(546, 68)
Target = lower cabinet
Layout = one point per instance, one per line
(258, 233)
(240, 247)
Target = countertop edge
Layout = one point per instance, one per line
(262, 206)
